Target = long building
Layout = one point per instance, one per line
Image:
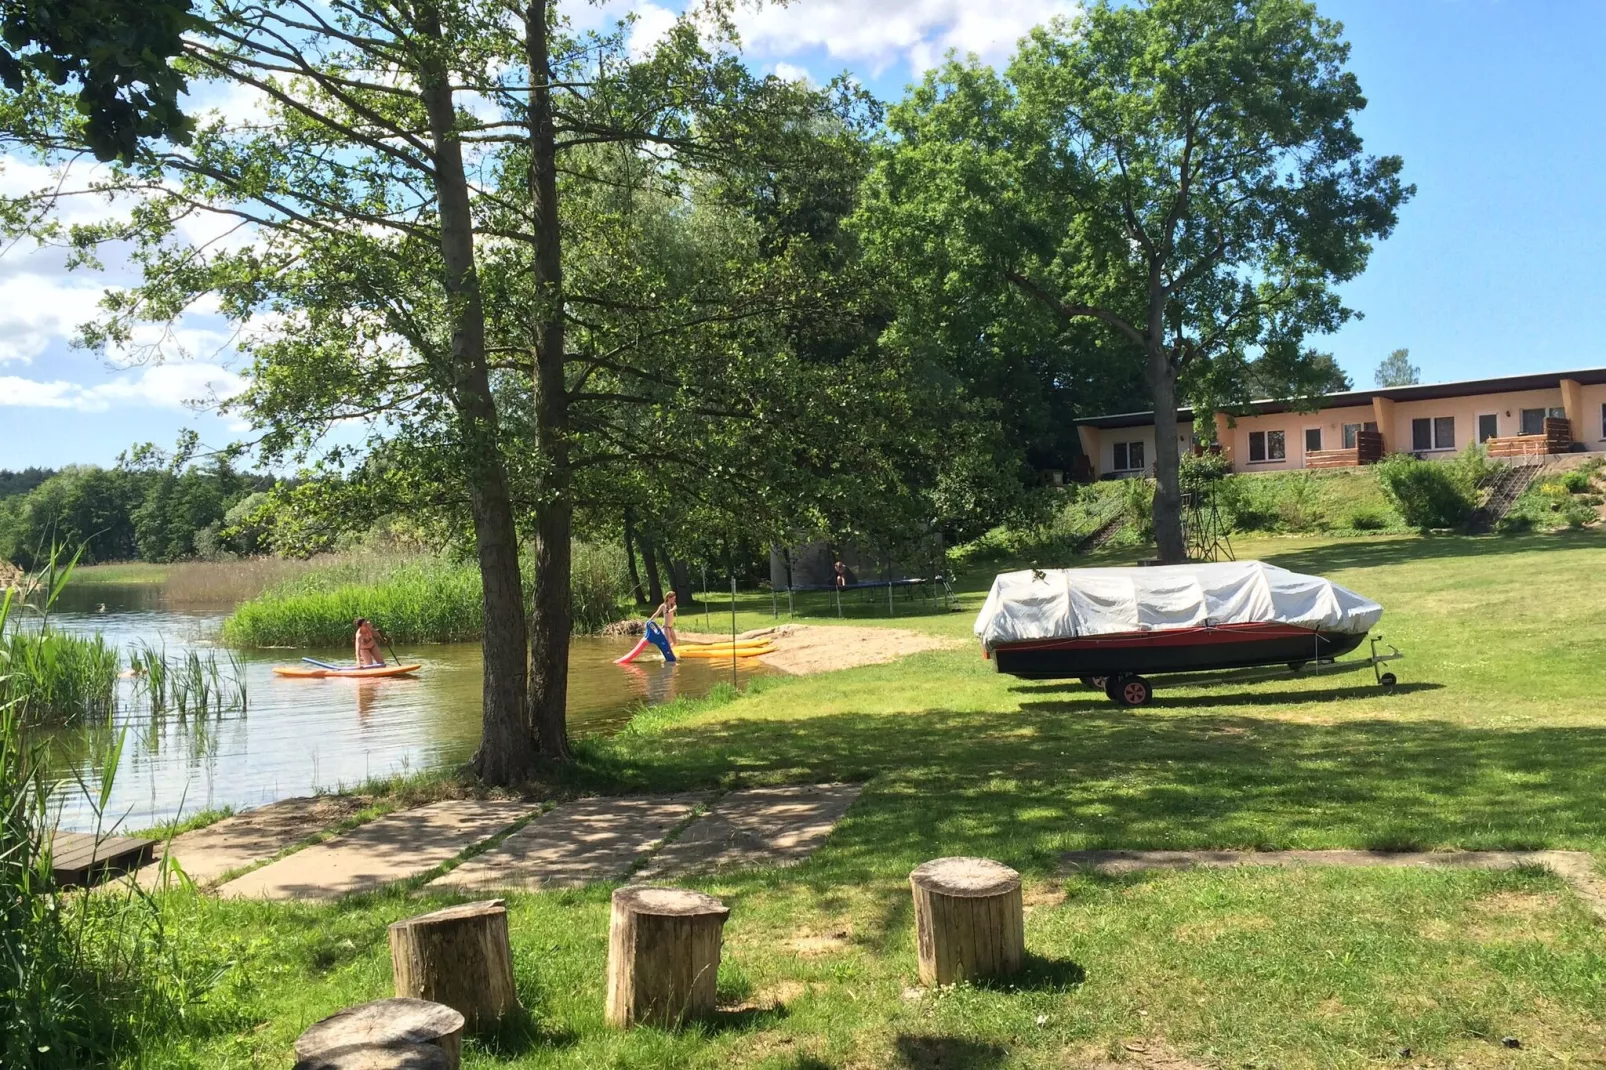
(1513, 416)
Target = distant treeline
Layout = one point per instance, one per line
(130, 513)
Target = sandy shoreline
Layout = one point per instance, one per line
(802, 649)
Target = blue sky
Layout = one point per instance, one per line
(1495, 105)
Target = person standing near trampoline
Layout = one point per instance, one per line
(841, 575)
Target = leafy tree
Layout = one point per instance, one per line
(119, 53)
(1396, 369)
(1182, 174)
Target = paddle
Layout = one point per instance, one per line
(383, 638)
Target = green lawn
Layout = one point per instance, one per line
(1496, 737)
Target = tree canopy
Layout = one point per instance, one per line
(1396, 369)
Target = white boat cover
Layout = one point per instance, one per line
(1065, 602)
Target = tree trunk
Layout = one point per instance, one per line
(382, 1023)
(969, 921)
(505, 751)
(663, 956)
(649, 554)
(630, 558)
(459, 957)
(550, 610)
(1168, 539)
(679, 578)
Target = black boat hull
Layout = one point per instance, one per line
(1158, 653)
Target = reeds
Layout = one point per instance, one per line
(193, 684)
(422, 600)
(48, 676)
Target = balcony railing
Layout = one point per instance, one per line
(1557, 438)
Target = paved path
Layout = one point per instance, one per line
(756, 827)
(1575, 867)
(254, 836)
(575, 844)
(388, 849)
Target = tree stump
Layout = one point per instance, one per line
(663, 956)
(379, 1057)
(458, 956)
(968, 920)
(385, 1023)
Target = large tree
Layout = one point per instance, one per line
(1183, 174)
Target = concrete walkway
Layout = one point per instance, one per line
(1577, 868)
(246, 839)
(756, 827)
(392, 848)
(575, 844)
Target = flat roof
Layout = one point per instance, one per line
(1419, 392)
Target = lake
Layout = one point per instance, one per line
(297, 737)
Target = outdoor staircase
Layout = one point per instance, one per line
(1504, 488)
(1101, 534)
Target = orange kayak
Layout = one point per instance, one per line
(316, 672)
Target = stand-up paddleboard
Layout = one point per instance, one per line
(317, 670)
(728, 653)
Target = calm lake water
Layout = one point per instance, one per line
(300, 736)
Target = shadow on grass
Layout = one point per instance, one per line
(1228, 696)
(1022, 787)
(919, 1052)
(1367, 553)
(522, 1032)
(1040, 973)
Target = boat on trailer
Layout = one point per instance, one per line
(1114, 627)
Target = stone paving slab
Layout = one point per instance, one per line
(247, 838)
(1577, 868)
(756, 827)
(575, 844)
(389, 849)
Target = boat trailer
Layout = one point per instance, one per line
(1133, 690)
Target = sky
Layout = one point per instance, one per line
(1495, 106)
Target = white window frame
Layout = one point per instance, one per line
(1434, 445)
(1478, 424)
(1438, 446)
(1522, 416)
(1130, 467)
(1305, 440)
(1603, 421)
(1265, 447)
(1350, 435)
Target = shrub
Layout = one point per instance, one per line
(1200, 471)
(1576, 482)
(1473, 465)
(1364, 519)
(1577, 514)
(1515, 523)
(1428, 494)
(1138, 497)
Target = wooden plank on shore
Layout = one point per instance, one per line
(80, 858)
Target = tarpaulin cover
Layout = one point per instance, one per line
(1065, 602)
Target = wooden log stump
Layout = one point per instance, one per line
(968, 920)
(379, 1057)
(459, 956)
(663, 956)
(384, 1023)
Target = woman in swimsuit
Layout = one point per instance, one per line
(367, 645)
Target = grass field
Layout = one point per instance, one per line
(1496, 737)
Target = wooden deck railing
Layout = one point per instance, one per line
(1557, 438)
(1368, 449)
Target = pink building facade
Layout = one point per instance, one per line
(1521, 415)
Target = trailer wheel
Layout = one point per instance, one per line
(1097, 683)
(1388, 680)
(1132, 691)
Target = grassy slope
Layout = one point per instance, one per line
(1496, 738)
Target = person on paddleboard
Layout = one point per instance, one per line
(367, 644)
(667, 611)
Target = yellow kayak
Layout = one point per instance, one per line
(722, 646)
(740, 652)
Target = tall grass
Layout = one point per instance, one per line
(195, 683)
(82, 977)
(422, 600)
(48, 676)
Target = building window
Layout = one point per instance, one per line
(1267, 446)
(1533, 420)
(1435, 434)
(1352, 433)
(1128, 456)
(1488, 426)
(1603, 421)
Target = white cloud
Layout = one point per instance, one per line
(791, 72)
(919, 32)
(165, 386)
(652, 20)
(36, 310)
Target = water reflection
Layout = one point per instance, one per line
(299, 736)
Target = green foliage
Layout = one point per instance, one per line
(1367, 519)
(420, 600)
(1427, 494)
(48, 677)
(1397, 370)
(1074, 513)
(119, 53)
(134, 511)
(1566, 500)
(1475, 466)
(1204, 470)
